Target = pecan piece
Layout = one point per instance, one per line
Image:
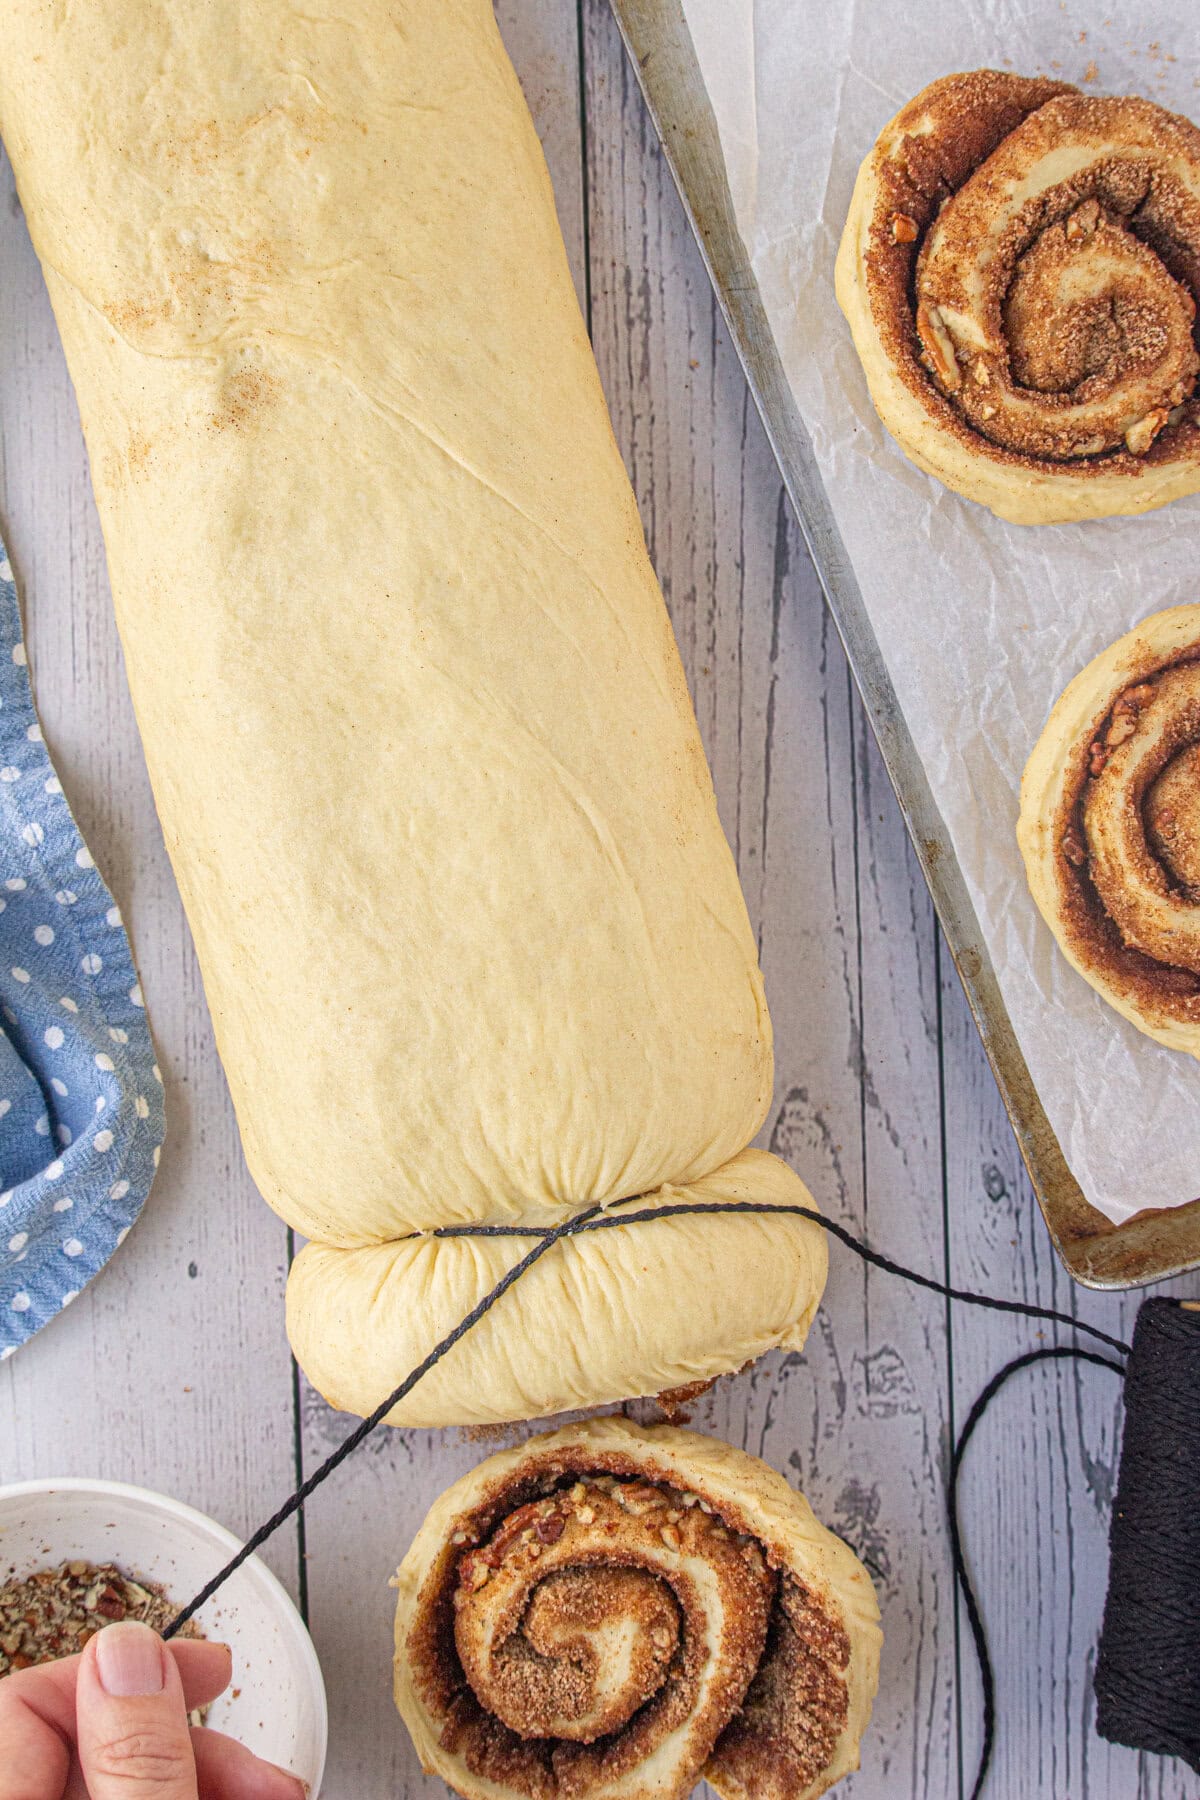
(1141, 435)
(1083, 221)
(939, 346)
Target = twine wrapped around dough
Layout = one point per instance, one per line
(594, 1219)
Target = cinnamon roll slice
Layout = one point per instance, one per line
(1020, 268)
(1110, 825)
(611, 1613)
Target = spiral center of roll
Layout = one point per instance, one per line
(1172, 813)
(1053, 300)
(1083, 311)
(592, 1647)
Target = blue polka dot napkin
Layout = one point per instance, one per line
(81, 1101)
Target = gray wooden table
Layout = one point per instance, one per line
(172, 1370)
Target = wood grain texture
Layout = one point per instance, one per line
(883, 1098)
(1043, 1472)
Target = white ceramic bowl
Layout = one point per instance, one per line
(279, 1711)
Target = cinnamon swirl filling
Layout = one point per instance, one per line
(1053, 304)
(1020, 267)
(1130, 841)
(1110, 825)
(595, 1629)
(616, 1622)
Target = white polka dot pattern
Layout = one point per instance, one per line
(75, 1045)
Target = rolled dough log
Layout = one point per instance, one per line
(418, 732)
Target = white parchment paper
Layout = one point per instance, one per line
(981, 624)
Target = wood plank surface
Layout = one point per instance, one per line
(883, 1098)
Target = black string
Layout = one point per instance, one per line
(293, 1503)
(983, 1653)
(594, 1219)
(874, 1257)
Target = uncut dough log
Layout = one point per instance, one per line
(419, 736)
(638, 1309)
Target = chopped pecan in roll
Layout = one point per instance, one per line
(1110, 825)
(617, 1612)
(1020, 269)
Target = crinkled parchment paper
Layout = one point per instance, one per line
(981, 624)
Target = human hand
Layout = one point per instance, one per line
(111, 1724)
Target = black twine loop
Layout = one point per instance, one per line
(987, 1677)
(593, 1219)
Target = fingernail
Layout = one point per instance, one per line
(129, 1660)
(275, 1789)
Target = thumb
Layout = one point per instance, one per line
(131, 1719)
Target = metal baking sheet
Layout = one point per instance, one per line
(1153, 1245)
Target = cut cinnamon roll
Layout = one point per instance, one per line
(1020, 268)
(1110, 825)
(610, 1613)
